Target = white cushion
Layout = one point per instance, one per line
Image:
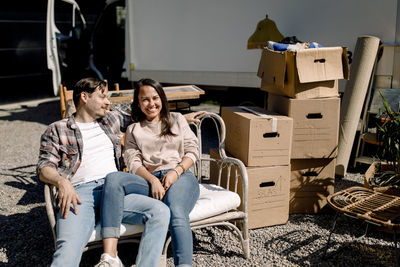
(213, 200)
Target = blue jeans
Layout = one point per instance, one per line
(180, 198)
(74, 232)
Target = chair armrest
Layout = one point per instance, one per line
(241, 173)
(50, 197)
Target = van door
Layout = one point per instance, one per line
(67, 42)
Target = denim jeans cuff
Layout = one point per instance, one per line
(110, 232)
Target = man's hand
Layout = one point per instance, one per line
(169, 179)
(66, 196)
(191, 117)
(157, 190)
(66, 192)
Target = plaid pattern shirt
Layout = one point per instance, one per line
(61, 145)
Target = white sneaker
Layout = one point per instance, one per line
(107, 261)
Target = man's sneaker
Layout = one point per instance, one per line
(107, 261)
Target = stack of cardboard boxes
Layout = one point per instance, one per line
(289, 150)
(261, 140)
(304, 86)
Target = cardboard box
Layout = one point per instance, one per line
(308, 73)
(383, 81)
(261, 139)
(311, 181)
(268, 193)
(315, 124)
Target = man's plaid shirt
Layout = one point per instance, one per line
(61, 145)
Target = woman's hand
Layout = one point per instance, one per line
(169, 179)
(157, 190)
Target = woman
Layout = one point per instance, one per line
(159, 149)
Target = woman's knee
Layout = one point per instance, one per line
(179, 219)
(161, 210)
(160, 214)
(114, 179)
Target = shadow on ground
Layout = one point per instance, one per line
(44, 113)
(26, 235)
(296, 246)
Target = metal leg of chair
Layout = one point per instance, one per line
(395, 248)
(365, 233)
(330, 234)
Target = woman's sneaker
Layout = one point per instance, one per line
(107, 261)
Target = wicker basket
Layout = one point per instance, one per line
(391, 190)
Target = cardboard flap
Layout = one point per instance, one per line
(345, 62)
(262, 115)
(319, 64)
(272, 74)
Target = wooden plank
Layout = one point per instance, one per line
(173, 93)
(62, 101)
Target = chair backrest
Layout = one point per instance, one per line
(221, 170)
(67, 106)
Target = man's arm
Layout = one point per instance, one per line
(47, 170)
(66, 192)
(191, 117)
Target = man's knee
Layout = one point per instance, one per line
(68, 252)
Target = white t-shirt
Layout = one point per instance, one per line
(98, 154)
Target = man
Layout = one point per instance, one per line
(75, 155)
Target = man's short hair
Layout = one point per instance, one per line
(88, 85)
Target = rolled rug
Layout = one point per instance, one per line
(353, 98)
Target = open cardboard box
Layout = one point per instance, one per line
(307, 73)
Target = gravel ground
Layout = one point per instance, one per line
(25, 237)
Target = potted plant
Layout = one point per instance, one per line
(384, 175)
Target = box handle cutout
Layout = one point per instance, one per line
(322, 60)
(314, 116)
(271, 135)
(310, 174)
(267, 184)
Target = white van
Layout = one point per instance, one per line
(205, 42)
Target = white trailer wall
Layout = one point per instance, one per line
(204, 41)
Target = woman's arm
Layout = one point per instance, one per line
(173, 175)
(134, 161)
(131, 154)
(157, 190)
(190, 153)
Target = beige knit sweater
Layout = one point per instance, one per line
(144, 146)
